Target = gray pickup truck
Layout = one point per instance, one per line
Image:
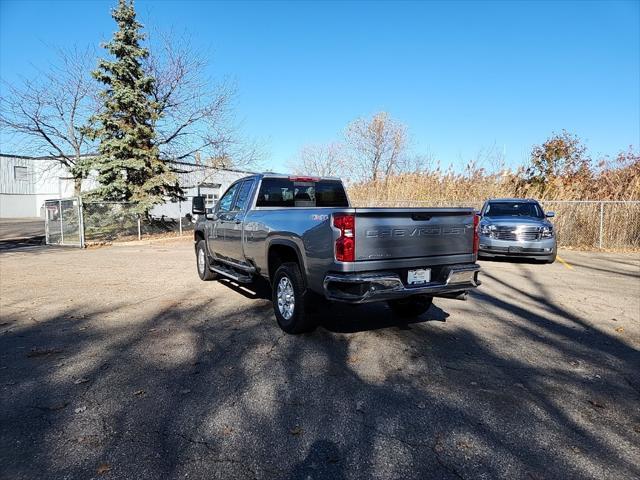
(302, 236)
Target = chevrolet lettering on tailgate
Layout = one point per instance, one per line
(416, 232)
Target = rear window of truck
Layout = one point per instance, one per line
(285, 192)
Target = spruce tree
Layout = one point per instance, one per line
(128, 164)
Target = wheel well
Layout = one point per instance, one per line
(279, 254)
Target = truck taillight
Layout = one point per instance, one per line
(476, 234)
(346, 242)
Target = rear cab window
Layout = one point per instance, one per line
(301, 193)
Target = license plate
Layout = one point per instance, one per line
(515, 249)
(419, 276)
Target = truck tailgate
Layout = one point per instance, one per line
(395, 233)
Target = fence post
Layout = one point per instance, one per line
(139, 232)
(81, 221)
(180, 215)
(46, 223)
(601, 223)
(61, 223)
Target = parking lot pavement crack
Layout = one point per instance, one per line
(632, 384)
(275, 344)
(204, 443)
(436, 447)
(382, 433)
(207, 445)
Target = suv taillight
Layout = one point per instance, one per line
(346, 242)
(476, 234)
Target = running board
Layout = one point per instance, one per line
(231, 273)
(236, 266)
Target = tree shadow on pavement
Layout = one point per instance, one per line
(200, 388)
(258, 289)
(611, 270)
(521, 260)
(343, 318)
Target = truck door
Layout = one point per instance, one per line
(221, 217)
(233, 230)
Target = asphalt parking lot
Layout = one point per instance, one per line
(120, 363)
(21, 233)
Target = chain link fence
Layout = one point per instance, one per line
(592, 224)
(119, 221)
(74, 222)
(579, 224)
(63, 222)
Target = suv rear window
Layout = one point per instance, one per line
(285, 192)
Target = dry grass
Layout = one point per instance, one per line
(578, 223)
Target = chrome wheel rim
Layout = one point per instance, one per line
(201, 260)
(286, 300)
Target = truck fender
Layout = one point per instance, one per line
(288, 243)
(198, 234)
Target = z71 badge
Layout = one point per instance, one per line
(319, 218)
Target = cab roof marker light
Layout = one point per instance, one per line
(304, 179)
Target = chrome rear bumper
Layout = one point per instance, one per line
(377, 286)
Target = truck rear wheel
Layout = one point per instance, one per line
(202, 262)
(411, 306)
(289, 298)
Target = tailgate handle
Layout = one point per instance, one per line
(420, 216)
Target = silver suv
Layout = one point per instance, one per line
(516, 227)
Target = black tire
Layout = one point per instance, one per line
(411, 306)
(299, 320)
(204, 271)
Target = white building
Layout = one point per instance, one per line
(26, 182)
(198, 180)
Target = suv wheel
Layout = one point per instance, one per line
(202, 262)
(290, 299)
(412, 306)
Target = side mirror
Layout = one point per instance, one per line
(198, 206)
(550, 214)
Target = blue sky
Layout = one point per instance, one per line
(464, 76)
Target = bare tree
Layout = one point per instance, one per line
(49, 115)
(377, 145)
(321, 160)
(194, 114)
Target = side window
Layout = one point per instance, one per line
(243, 195)
(537, 211)
(276, 192)
(224, 205)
